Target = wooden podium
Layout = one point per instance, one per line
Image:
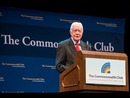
(73, 79)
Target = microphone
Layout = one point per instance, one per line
(91, 46)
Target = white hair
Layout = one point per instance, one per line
(74, 24)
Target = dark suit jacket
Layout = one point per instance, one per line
(65, 53)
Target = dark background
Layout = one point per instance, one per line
(106, 8)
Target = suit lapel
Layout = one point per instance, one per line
(82, 45)
(71, 46)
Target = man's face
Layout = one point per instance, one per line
(76, 32)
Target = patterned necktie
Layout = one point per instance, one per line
(77, 47)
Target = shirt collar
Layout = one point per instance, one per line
(74, 41)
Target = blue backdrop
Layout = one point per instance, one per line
(28, 42)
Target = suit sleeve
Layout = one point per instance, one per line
(60, 58)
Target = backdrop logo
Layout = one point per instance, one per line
(105, 68)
